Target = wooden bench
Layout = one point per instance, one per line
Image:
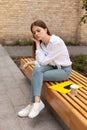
(71, 109)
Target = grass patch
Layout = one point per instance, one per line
(23, 43)
(80, 64)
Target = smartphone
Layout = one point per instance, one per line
(68, 86)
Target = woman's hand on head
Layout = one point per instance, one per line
(35, 40)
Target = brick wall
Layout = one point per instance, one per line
(61, 16)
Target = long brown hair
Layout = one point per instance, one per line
(41, 24)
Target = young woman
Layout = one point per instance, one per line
(52, 64)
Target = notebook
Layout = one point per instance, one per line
(64, 87)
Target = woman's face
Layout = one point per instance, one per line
(39, 33)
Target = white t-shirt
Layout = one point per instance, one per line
(55, 53)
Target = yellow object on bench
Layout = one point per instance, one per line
(63, 87)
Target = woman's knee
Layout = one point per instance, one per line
(37, 69)
(41, 68)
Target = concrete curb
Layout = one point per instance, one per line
(26, 51)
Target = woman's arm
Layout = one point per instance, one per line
(55, 51)
(26, 65)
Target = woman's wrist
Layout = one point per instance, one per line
(38, 45)
(28, 63)
(31, 62)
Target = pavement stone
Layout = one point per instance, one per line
(15, 93)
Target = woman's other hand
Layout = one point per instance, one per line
(23, 67)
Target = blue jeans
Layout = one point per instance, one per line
(47, 73)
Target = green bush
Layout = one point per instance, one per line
(69, 43)
(79, 67)
(84, 6)
(80, 63)
(23, 43)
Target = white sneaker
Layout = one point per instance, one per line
(25, 112)
(36, 108)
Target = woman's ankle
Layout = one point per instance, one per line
(37, 99)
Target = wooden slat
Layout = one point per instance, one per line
(80, 76)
